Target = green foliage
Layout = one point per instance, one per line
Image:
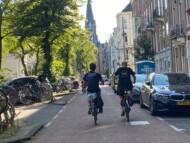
(144, 48)
(48, 31)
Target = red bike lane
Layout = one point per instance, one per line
(73, 125)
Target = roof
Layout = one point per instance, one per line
(127, 8)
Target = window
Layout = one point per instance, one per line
(124, 23)
(166, 4)
(183, 58)
(176, 59)
(173, 13)
(179, 10)
(188, 15)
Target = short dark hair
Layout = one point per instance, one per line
(92, 66)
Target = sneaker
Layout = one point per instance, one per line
(123, 113)
(89, 111)
(100, 111)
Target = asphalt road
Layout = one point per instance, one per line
(70, 123)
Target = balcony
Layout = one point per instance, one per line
(177, 34)
(158, 14)
(149, 26)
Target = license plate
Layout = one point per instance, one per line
(184, 103)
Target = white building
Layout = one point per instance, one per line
(121, 42)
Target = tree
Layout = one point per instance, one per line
(4, 30)
(143, 48)
(47, 20)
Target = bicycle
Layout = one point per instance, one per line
(37, 92)
(93, 106)
(11, 93)
(3, 102)
(126, 102)
(7, 111)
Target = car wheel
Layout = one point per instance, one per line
(141, 102)
(152, 107)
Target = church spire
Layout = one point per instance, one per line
(90, 24)
(89, 13)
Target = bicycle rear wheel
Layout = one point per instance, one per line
(127, 110)
(25, 96)
(95, 114)
(11, 94)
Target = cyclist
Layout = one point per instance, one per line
(91, 80)
(124, 82)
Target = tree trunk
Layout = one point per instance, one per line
(1, 38)
(37, 62)
(47, 56)
(24, 66)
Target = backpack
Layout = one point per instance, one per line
(92, 82)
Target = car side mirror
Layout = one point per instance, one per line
(147, 83)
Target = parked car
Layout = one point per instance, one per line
(18, 84)
(166, 92)
(68, 82)
(140, 78)
(75, 82)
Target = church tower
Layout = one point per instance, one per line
(90, 24)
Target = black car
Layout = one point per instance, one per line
(18, 83)
(166, 92)
(140, 78)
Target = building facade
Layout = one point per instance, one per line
(177, 27)
(121, 41)
(152, 17)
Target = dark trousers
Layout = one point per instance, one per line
(100, 102)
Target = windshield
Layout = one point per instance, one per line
(140, 78)
(172, 79)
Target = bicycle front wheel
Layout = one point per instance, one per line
(3, 101)
(25, 96)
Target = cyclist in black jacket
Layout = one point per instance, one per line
(92, 80)
(124, 82)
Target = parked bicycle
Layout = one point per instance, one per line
(7, 111)
(60, 86)
(3, 102)
(36, 91)
(93, 106)
(126, 102)
(10, 93)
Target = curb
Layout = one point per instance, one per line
(62, 94)
(23, 133)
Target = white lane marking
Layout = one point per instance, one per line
(161, 119)
(176, 129)
(60, 111)
(47, 125)
(135, 123)
(55, 117)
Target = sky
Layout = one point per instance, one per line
(105, 12)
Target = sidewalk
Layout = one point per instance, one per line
(28, 126)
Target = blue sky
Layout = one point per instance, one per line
(105, 12)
